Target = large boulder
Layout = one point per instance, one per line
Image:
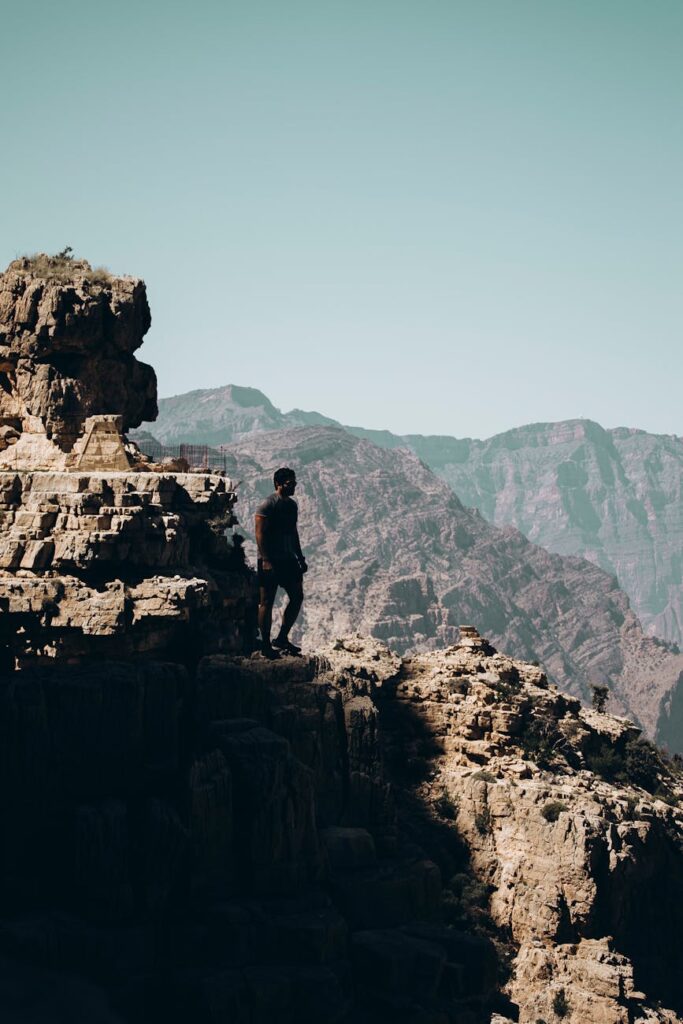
(67, 338)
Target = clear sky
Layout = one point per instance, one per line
(436, 216)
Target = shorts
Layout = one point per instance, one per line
(285, 573)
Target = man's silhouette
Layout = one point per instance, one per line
(281, 562)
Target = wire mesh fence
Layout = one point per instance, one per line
(197, 456)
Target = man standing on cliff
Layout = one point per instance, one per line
(281, 562)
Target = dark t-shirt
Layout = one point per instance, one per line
(281, 515)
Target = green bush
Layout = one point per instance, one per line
(606, 762)
(505, 689)
(484, 776)
(642, 765)
(542, 741)
(560, 1004)
(631, 809)
(469, 891)
(553, 809)
(600, 697)
(665, 794)
(446, 806)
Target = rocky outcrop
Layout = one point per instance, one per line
(101, 555)
(392, 552)
(118, 563)
(572, 822)
(67, 338)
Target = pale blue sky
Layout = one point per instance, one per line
(438, 217)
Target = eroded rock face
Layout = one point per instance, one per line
(582, 863)
(67, 341)
(113, 564)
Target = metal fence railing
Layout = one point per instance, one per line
(197, 456)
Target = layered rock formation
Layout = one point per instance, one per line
(395, 554)
(115, 563)
(67, 338)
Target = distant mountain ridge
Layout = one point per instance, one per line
(218, 416)
(394, 553)
(612, 496)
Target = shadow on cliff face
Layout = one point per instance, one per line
(641, 906)
(257, 842)
(224, 845)
(409, 752)
(670, 723)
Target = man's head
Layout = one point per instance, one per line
(284, 480)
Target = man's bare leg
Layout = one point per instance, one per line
(295, 597)
(265, 615)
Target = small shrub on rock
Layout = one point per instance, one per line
(571, 728)
(446, 806)
(484, 776)
(542, 741)
(642, 765)
(483, 821)
(630, 813)
(665, 794)
(469, 891)
(600, 698)
(505, 689)
(553, 809)
(560, 1004)
(606, 762)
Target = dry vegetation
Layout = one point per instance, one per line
(62, 267)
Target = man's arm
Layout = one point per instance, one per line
(261, 530)
(297, 550)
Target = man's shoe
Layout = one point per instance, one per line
(268, 652)
(283, 644)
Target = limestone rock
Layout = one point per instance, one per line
(551, 803)
(119, 562)
(67, 342)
